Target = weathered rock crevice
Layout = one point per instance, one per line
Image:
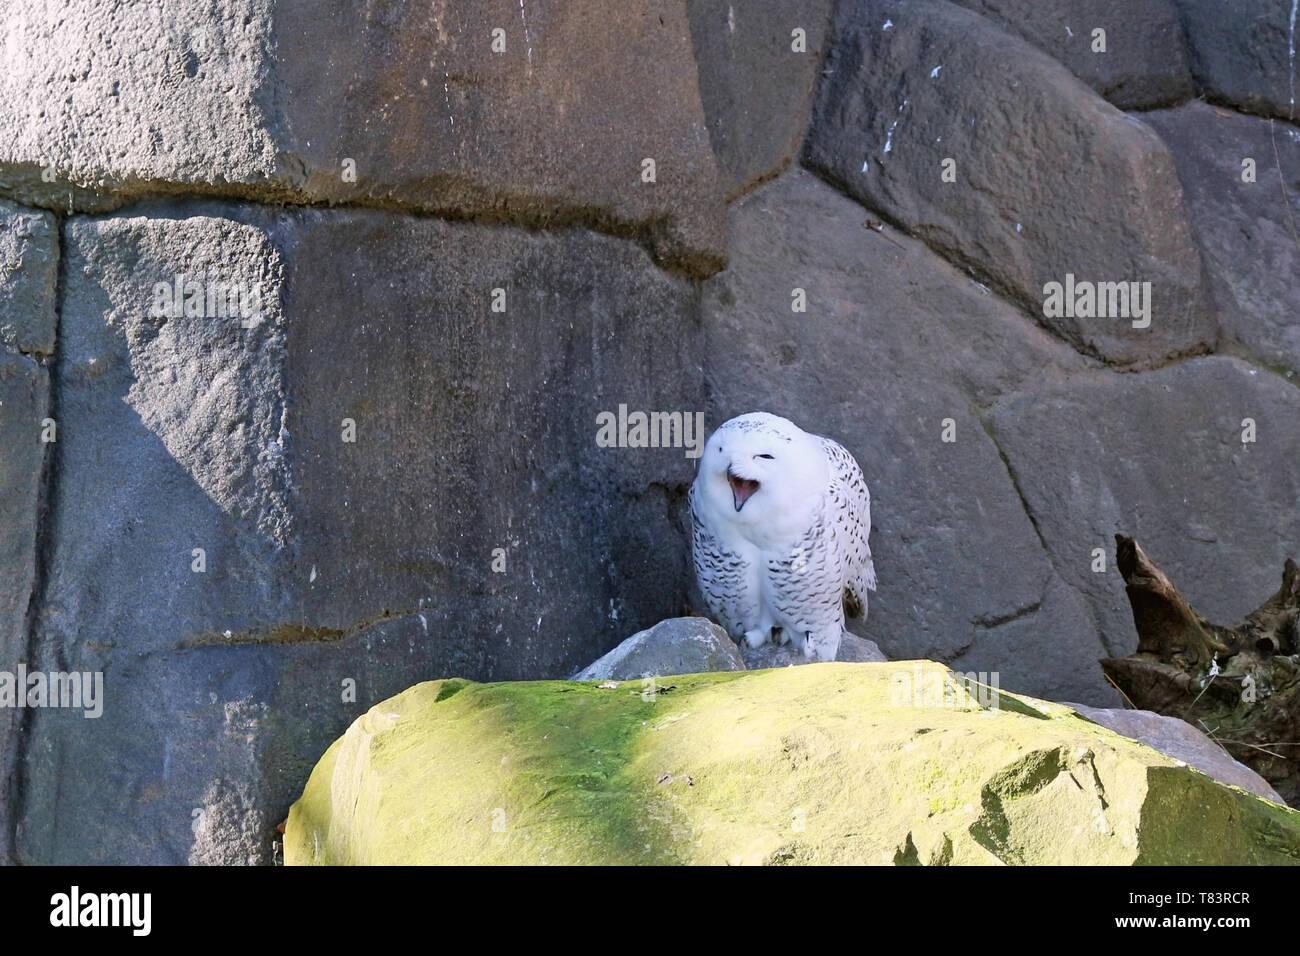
(992, 622)
(16, 778)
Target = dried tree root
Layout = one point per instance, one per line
(1239, 684)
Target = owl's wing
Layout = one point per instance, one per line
(851, 519)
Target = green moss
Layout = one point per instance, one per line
(814, 764)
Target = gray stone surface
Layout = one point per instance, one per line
(893, 342)
(756, 88)
(203, 749)
(1159, 456)
(859, 650)
(340, 572)
(172, 439)
(679, 645)
(1053, 647)
(1182, 741)
(1050, 179)
(1252, 257)
(24, 403)
(474, 431)
(853, 649)
(29, 256)
(28, 265)
(266, 99)
(1144, 64)
(1244, 52)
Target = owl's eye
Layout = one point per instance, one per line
(768, 457)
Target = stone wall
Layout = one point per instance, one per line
(307, 311)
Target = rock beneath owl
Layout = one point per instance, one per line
(853, 649)
(679, 645)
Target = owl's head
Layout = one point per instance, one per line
(763, 471)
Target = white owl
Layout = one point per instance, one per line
(780, 520)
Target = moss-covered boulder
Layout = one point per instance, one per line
(832, 763)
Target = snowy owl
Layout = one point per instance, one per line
(780, 520)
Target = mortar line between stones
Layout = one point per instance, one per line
(1209, 99)
(510, 212)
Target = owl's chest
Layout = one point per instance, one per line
(780, 573)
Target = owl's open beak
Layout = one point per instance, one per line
(742, 489)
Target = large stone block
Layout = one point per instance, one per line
(1143, 63)
(1160, 456)
(895, 342)
(891, 763)
(29, 268)
(29, 261)
(1182, 741)
(475, 510)
(548, 121)
(1245, 229)
(1048, 180)
(1243, 52)
(201, 750)
(29, 255)
(757, 78)
(24, 405)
